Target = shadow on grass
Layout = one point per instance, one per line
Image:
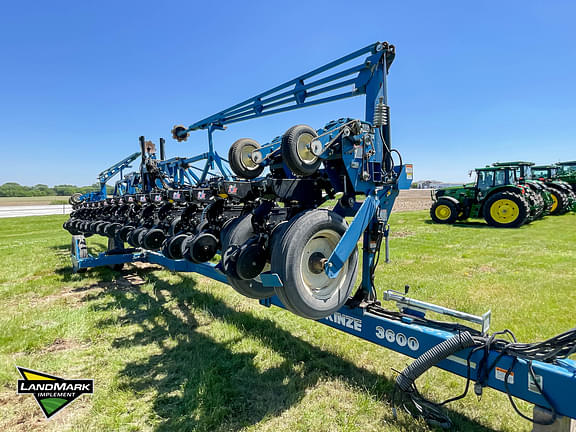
(464, 224)
(204, 384)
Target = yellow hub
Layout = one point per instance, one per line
(554, 202)
(504, 211)
(443, 212)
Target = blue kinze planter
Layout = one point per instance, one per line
(277, 245)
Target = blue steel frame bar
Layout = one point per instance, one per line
(558, 380)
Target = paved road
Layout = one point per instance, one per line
(41, 210)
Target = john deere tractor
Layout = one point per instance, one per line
(567, 172)
(563, 195)
(537, 187)
(496, 197)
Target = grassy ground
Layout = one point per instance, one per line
(180, 352)
(26, 201)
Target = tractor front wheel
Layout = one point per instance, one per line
(506, 210)
(444, 211)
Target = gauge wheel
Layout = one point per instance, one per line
(297, 152)
(241, 160)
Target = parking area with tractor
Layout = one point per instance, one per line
(508, 195)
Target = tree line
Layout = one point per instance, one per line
(12, 189)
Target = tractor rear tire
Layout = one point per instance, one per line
(506, 210)
(237, 233)
(239, 158)
(298, 259)
(444, 211)
(296, 153)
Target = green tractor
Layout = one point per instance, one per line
(496, 196)
(567, 172)
(537, 187)
(563, 195)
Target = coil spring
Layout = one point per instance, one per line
(381, 115)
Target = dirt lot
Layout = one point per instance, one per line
(413, 199)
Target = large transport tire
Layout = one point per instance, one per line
(234, 235)
(239, 158)
(307, 291)
(444, 211)
(506, 210)
(296, 152)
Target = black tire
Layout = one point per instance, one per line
(445, 211)
(314, 234)
(239, 159)
(295, 155)
(114, 244)
(500, 215)
(153, 239)
(560, 202)
(235, 234)
(200, 248)
(172, 247)
(134, 236)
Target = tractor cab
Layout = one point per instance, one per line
(491, 177)
(566, 171)
(566, 168)
(544, 172)
(523, 169)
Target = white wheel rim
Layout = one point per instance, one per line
(319, 285)
(246, 156)
(303, 147)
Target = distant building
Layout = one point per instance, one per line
(435, 184)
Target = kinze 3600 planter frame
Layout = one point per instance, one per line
(276, 245)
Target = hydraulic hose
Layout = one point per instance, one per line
(405, 380)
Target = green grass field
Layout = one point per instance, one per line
(174, 352)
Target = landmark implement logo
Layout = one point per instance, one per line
(51, 392)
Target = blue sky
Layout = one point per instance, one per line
(472, 83)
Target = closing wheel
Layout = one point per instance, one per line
(444, 211)
(235, 235)
(297, 150)
(135, 235)
(506, 210)
(299, 261)
(200, 248)
(153, 239)
(172, 247)
(241, 160)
